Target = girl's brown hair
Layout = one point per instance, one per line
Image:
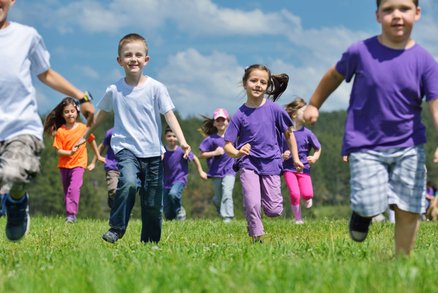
(295, 105)
(277, 83)
(54, 119)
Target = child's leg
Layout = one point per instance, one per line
(74, 191)
(129, 168)
(112, 178)
(306, 188)
(167, 205)
(217, 196)
(227, 206)
(175, 196)
(272, 200)
(151, 196)
(406, 226)
(294, 193)
(252, 201)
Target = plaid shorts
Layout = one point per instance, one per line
(19, 161)
(394, 176)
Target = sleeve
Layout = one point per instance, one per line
(165, 103)
(190, 157)
(283, 120)
(106, 103)
(314, 142)
(347, 64)
(58, 141)
(430, 78)
(232, 131)
(39, 56)
(205, 145)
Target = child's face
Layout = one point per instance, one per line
(397, 18)
(4, 9)
(256, 84)
(220, 123)
(300, 114)
(170, 138)
(133, 57)
(70, 114)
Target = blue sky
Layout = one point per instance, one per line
(199, 48)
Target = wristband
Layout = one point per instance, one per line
(87, 98)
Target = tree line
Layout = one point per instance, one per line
(330, 175)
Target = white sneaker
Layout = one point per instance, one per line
(299, 222)
(309, 203)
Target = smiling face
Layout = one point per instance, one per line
(5, 5)
(70, 114)
(397, 18)
(171, 139)
(221, 124)
(133, 58)
(256, 84)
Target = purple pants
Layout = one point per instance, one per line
(260, 191)
(72, 181)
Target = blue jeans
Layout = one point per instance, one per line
(172, 199)
(148, 172)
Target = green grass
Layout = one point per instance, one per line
(209, 256)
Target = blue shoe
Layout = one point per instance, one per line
(17, 223)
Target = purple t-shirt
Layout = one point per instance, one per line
(262, 128)
(110, 158)
(176, 168)
(386, 96)
(218, 166)
(306, 141)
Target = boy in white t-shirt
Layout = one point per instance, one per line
(23, 54)
(137, 101)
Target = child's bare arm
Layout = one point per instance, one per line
(433, 107)
(292, 143)
(237, 153)
(198, 165)
(328, 84)
(219, 151)
(315, 157)
(57, 82)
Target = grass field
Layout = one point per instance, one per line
(209, 256)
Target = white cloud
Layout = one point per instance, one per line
(88, 72)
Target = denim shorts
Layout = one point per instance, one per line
(394, 176)
(19, 161)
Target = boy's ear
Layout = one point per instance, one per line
(119, 60)
(147, 58)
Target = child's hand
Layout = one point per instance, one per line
(312, 159)
(101, 159)
(203, 175)
(286, 155)
(244, 150)
(186, 149)
(298, 166)
(311, 114)
(74, 149)
(345, 159)
(80, 142)
(219, 151)
(91, 167)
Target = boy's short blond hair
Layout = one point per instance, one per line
(378, 2)
(132, 38)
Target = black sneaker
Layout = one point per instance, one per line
(359, 227)
(111, 236)
(17, 223)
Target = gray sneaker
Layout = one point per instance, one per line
(17, 223)
(111, 236)
(181, 215)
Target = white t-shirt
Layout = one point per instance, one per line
(22, 53)
(137, 121)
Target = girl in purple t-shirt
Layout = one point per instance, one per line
(299, 183)
(220, 165)
(254, 138)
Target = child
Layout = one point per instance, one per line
(62, 123)
(299, 184)
(384, 135)
(220, 165)
(110, 165)
(23, 53)
(175, 176)
(253, 137)
(137, 100)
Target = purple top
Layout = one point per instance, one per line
(218, 166)
(306, 140)
(176, 168)
(262, 128)
(110, 158)
(386, 96)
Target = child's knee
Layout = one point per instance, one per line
(274, 212)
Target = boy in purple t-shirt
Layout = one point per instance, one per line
(384, 135)
(110, 165)
(176, 170)
(220, 165)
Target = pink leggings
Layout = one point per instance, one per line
(299, 185)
